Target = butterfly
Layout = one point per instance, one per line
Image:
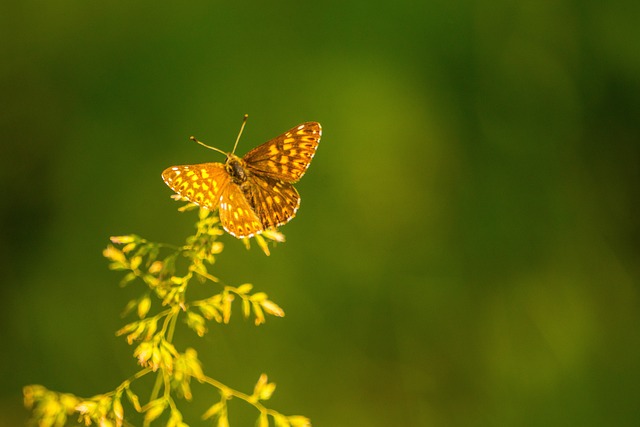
(255, 192)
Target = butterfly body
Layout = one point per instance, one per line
(236, 168)
(253, 193)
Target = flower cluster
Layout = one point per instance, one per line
(166, 271)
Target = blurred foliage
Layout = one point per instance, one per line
(467, 249)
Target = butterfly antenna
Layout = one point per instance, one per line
(193, 138)
(244, 121)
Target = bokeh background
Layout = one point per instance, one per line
(467, 252)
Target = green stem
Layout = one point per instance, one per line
(228, 391)
(154, 395)
(172, 325)
(126, 383)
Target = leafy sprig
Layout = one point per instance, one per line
(167, 272)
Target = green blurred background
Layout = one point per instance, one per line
(467, 250)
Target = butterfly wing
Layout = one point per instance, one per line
(236, 214)
(286, 157)
(202, 184)
(210, 186)
(275, 201)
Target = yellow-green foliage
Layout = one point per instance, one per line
(161, 268)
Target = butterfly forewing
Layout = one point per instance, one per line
(275, 201)
(287, 156)
(202, 184)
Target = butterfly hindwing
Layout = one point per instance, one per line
(276, 202)
(237, 215)
(287, 156)
(202, 184)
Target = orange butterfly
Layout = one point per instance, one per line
(253, 193)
